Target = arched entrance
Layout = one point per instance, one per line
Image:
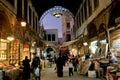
(50, 52)
(56, 11)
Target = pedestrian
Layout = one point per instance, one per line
(26, 68)
(70, 68)
(36, 66)
(60, 64)
(75, 62)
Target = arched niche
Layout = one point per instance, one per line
(4, 23)
(92, 30)
(114, 17)
(102, 31)
(102, 28)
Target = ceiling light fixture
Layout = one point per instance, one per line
(57, 11)
(23, 23)
(57, 14)
(10, 38)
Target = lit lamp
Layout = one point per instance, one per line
(85, 43)
(23, 23)
(57, 14)
(10, 38)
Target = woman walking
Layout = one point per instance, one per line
(26, 68)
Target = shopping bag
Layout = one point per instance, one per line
(37, 72)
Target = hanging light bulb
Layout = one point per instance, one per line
(57, 12)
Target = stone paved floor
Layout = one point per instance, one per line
(50, 74)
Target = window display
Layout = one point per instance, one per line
(14, 52)
(3, 51)
(93, 46)
(104, 50)
(101, 50)
(116, 47)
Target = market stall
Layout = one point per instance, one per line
(9, 72)
(95, 59)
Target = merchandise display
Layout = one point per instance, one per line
(14, 52)
(85, 66)
(3, 51)
(10, 71)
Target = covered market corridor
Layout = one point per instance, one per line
(50, 74)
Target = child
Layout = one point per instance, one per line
(70, 68)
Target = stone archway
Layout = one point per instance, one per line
(50, 52)
(50, 49)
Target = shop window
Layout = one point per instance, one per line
(68, 32)
(115, 13)
(92, 31)
(90, 7)
(93, 46)
(19, 8)
(79, 19)
(116, 47)
(96, 3)
(68, 37)
(103, 41)
(53, 37)
(82, 19)
(102, 28)
(85, 10)
(11, 2)
(3, 51)
(68, 25)
(33, 21)
(25, 9)
(14, 56)
(30, 15)
(49, 37)
(36, 24)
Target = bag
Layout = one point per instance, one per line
(37, 72)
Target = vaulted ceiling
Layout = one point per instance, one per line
(43, 5)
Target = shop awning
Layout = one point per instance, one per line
(64, 44)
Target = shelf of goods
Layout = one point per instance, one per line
(14, 53)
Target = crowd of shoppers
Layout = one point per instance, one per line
(62, 60)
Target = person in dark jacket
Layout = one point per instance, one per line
(36, 66)
(60, 64)
(26, 68)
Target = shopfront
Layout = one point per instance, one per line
(115, 41)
